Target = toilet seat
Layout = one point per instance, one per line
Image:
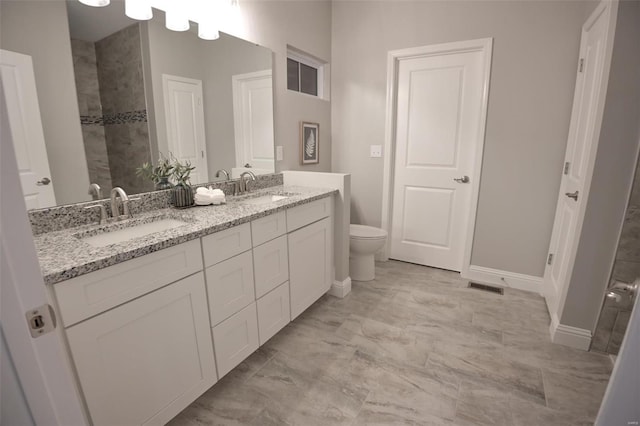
(366, 232)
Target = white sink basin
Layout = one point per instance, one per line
(121, 235)
(264, 199)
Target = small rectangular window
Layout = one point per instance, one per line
(305, 74)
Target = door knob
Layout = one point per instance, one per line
(573, 195)
(463, 179)
(44, 181)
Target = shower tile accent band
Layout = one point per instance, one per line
(139, 116)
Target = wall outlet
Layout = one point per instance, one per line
(279, 153)
(376, 151)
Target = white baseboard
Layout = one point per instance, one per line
(566, 335)
(341, 288)
(511, 279)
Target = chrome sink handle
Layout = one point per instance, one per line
(103, 212)
(244, 184)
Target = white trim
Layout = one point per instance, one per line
(341, 288)
(566, 335)
(484, 45)
(503, 278)
(314, 62)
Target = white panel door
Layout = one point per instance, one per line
(439, 110)
(19, 85)
(580, 155)
(253, 119)
(184, 113)
(145, 361)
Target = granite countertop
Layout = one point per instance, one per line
(63, 255)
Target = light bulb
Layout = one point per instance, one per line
(138, 9)
(176, 20)
(95, 3)
(207, 30)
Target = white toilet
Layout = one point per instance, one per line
(364, 242)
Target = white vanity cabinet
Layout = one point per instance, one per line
(142, 360)
(310, 253)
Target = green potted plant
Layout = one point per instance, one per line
(158, 174)
(182, 191)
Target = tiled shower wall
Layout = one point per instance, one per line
(124, 107)
(614, 317)
(88, 90)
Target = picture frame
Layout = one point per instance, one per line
(309, 143)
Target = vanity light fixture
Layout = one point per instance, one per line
(96, 3)
(138, 9)
(208, 30)
(177, 18)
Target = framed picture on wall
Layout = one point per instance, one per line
(309, 143)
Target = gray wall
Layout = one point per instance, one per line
(612, 177)
(40, 29)
(307, 26)
(535, 53)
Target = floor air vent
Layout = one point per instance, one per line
(484, 287)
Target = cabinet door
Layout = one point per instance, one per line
(273, 312)
(310, 264)
(230, 286)
(271, 265)
(225, 244)
(145, 361)
(235, 339)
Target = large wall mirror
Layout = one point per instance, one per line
(145, 91)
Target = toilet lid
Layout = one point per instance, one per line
(363, 231)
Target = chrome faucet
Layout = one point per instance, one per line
(244, 184)
(118, 196)
(223, 172)
(95, 191)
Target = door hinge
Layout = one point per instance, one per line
(550, 259)
(41, 320)
(581, 67)
(202, 153)
(566, 167)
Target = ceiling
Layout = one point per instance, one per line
(95, 23)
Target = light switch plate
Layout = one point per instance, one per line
(376, 151)
(279, 153)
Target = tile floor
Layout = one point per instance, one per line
(413, 347)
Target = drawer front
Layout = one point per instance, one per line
(273, 312)
(87, 295)
(269, 227)
(225, 244)
(230, 286)
(145, 361)
(270, 265)
(235, 338)
(302, 215)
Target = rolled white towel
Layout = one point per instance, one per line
(202, 190)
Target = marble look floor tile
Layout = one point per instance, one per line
(415, 346)
(482, 405)
(574, 394)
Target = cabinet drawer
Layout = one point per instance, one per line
(270, 265)
(267, 228)
(87, 295)
(273, 312)
(230, 286)
(225, 244)
(145, 361)
(302, 215)
(235, 338)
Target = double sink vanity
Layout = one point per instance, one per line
(157, 308)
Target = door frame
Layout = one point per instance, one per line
(484, 45)
(555, 300)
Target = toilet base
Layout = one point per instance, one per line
(362, 267)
